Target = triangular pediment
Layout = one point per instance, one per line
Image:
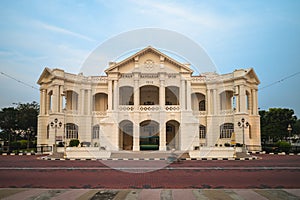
(252, 77)
(46, 76)
(147, 56)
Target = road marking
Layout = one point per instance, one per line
(150, 168)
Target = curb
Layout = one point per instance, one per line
(145, 159)
(19, 154)
(281, 153)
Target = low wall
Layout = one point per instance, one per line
(86, 152)
(213, 152)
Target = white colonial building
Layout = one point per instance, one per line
(149, 101)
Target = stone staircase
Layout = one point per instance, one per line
(147, 154)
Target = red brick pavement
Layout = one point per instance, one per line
(217, 174)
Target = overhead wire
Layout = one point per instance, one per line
(19, 81)
(279, 81)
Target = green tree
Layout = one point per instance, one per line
(19, 122)
(8, 123)
(275, 121)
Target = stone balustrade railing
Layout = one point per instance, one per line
(172, 108)
(99, 113)
(126, 108)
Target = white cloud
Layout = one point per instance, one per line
(168, 12)
(63, 31)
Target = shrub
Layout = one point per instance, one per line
(23, 144)
(227, 144)
(238, 145)
(283, 146)
(74, 143)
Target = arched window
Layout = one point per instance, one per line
(71, 131)
(202, 105)
(95, 134)
(226, 130)
(202, 132)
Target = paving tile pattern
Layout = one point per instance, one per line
(151, 194)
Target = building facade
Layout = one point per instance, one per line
(149, 101)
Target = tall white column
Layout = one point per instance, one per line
(182, 95)
(208, 101)
(89, 99)
(56, 99)
(162, 136)
(162, 94)
(136, 95)
(254, 106)
(136, 136)
(242, 94)
(238, 107)
(61, 89)
(110, 99)
(215, 101)
(116, 99)
(42, 102)
(188, 95)
(81, 103)
(47, 102)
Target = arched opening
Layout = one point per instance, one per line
(198, 102)
(202, 135)
(226, 100)
(149, 135)
(226, 130)
(126, 95)
(49, 100)
(172, 94)
(71, 131)
(100, 102)
(149, 95)
(248, 101)
(125, 135)
(172, 134)
(95, 134)
(202, 132)
(71, 100)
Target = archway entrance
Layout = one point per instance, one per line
(172, 135)
(149, 135)
(125, 135)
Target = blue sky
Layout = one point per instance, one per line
(261, 34)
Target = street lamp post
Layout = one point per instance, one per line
(65, 153)
(242, 124)
(28, 135)
(289, 129)
(55, 125)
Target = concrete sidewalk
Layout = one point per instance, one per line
(144, 194)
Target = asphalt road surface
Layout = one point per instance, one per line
(271, 171)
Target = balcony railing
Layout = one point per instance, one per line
(172, 108)
(99, 113)
(126, 108)
(199, 113)
(149, 108)
(227, 112)
(71, 112)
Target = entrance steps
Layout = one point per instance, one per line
(147, 154)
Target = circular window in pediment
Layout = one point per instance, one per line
(149, 65)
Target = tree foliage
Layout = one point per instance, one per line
(19, 122)
(275, 121)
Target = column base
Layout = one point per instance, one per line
(162, 148)
(136, 148)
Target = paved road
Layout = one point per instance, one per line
(272, 171)
(152, 194)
